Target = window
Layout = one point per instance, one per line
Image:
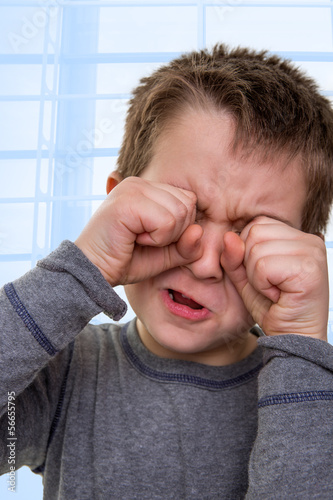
(67, 71)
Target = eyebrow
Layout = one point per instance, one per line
(247, 218)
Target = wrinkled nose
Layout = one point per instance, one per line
(208, 267)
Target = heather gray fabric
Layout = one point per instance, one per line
(102, 418)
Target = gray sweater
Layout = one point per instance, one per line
(100, 417)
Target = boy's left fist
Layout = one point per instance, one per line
(281, 275)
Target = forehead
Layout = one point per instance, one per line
(195, 152)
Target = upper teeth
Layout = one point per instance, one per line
(172, 296)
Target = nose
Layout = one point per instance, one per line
(208, 267)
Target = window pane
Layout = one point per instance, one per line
(147, 29)
(22, 30)
(321, 71)
(110, 120)
(102, 168)
(10, 271)
(274, 28)
(16, 227)
(121, 78)
(20, 178)
(19, 125)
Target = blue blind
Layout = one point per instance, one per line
(67, 71)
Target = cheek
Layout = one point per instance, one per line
(131, 293)
(137, 296)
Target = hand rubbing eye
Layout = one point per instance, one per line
(198, 216)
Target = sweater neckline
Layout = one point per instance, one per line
(176, 371)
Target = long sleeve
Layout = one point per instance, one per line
(293, 453)
(40, 315)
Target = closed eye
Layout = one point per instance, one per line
(199, 214)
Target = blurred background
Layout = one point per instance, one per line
(67, 69)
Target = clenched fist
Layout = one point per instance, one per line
(281, 275)
(140, 230)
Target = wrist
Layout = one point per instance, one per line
(95, 259)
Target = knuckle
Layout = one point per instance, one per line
(192, 198)
(170, 223)
(182, 211)
(254, 251)
(254, 232)
(260, 266)
(128, 187)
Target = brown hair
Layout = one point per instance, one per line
(275, 106)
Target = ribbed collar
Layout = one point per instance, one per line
(186, 372)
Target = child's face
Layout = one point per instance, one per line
(193, 154)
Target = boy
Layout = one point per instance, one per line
(224, 180)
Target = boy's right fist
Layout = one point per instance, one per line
(142, 229)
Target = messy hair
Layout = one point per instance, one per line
(276, 109)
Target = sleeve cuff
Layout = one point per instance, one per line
(68, 258)
(316, 351)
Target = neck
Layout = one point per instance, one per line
(224, 355)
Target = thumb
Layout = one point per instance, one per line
(232, 263)
(188, 248)
(232, 260)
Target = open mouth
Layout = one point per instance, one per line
(180, 298)
(179, 304)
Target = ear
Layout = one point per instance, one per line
(113, 179)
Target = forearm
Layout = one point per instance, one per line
(44, 310)
(293, 453)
